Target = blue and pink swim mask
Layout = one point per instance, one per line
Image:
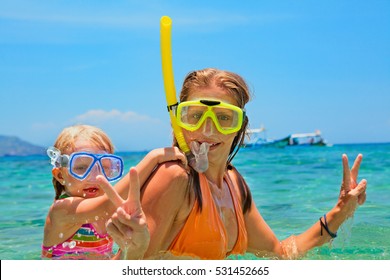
(81, 164)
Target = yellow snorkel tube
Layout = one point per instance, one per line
(169, 84)
(197, 156)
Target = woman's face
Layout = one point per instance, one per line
(220, 144)
(87, 188)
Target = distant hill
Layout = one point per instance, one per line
(13, 146)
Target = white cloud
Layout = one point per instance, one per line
(99, 117)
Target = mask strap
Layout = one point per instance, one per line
(56, 159)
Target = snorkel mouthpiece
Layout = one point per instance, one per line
(199, 161)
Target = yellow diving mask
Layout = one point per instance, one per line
(227, 118)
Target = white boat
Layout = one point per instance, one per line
(257, 137)
(310, 139)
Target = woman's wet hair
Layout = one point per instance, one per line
(235, 86)
(232, 83)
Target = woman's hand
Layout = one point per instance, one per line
(127, 226)
(352, 193)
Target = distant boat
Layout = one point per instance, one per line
(309, 139)
(257, 138)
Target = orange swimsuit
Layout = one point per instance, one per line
(204, 235)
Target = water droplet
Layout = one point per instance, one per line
(72, 244)
(61, 235)
(96, 218)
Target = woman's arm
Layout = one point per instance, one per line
(351, 195)
(263, 242)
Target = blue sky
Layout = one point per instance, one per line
(310, 64)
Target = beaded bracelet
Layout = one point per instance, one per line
(325, 226)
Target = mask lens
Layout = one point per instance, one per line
(191, 115)
(80, 165)
(112, 167)
(227, 118)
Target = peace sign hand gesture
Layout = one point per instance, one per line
(127, 226)
(352, 194)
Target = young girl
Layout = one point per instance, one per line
(83, 162)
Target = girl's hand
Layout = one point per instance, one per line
(170, 154)
(127, 226)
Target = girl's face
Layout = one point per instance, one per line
(220, 144)
(87, 188)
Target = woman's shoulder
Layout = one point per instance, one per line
(167, 191)
(234, 176)
(174, 172)
(168, 177)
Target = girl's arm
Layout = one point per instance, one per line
(77, 210)
(129, 212)
(162, 200)
(155, 157)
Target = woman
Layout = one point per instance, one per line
(211, 215)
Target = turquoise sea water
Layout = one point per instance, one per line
(292, 187)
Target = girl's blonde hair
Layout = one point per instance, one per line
(66, 144)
